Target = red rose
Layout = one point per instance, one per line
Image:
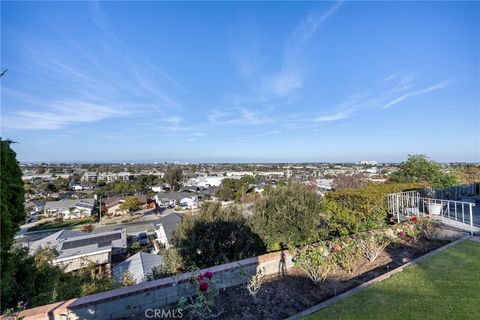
(203, 286)
(402, 234)
(180, 270)
(414, 219)
(208, 274)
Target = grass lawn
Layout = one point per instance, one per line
(64, 224)
(443, 286)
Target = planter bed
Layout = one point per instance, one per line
(284, 296)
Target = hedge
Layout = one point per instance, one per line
(356, 210)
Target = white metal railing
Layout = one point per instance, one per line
(404, 205)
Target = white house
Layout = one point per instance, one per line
(205, 182)
(165, 227)
(161, 187)
(76, 250)
(70, 209)
(175, 198)
(189, 202)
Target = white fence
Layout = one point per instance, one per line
(404, 205)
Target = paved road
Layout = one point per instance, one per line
(133, 227)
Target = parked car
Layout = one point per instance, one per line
(32, 218)
(143, 239)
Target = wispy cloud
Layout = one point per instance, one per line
(290, 77)
(308, 26)
(99, 82)
(415, 93)
(401, 90)
(334, 116)
(236, 116)
(61, 114)
(267, 133)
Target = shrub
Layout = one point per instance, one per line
(346, 253)
(358, 210)
(372, 243)
(427, 226)
(253, 283)
(202, 297)
(136, 247)
(288, 215)
(417, 227)
(215, 235)
(316, 260)
(409, 229)
(172, 264)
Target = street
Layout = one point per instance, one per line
(142, 225)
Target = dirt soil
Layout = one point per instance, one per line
(284, 296)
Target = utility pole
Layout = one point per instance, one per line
(99, 207)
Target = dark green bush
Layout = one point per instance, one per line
(215, 235)
(288, 215)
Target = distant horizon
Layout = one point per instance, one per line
(186, 162)
(241, 82)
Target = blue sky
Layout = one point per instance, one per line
(288, 81)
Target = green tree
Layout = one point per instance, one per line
(37, 281)
(288, 216)
(12, 215)
(12, 195)
(131, 205)
(227, 189)
(215, 235)
(234, 189)
(49, 187)
(173, 176)
(418, 168)
(61, 183)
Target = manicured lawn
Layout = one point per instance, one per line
(64, 224)
(444, 286)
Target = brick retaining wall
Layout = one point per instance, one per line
(126, 301)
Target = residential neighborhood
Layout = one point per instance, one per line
(240, 160)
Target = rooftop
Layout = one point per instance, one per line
(139, 266)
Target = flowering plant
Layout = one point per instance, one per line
(316, 260)
(411, 229)
(202, 297)
(428, 227)
(346, 253)
(372, 243)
